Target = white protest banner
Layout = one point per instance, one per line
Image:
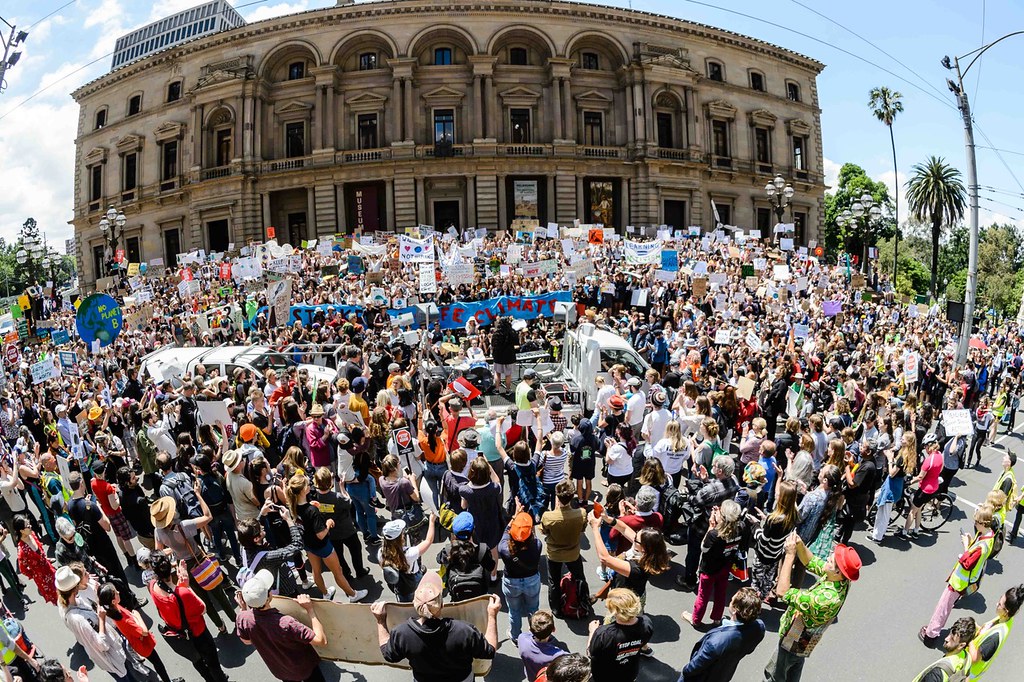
(568, 247)
(428, 278)
(638, 297)
(641, 253)
(461, 273)
(44, 370)
(722, 337)
(279, 298)
(212, 411)
(415, 250)
(531, 270)
(700, 268)
(660, 275)
(584, 267)
(753, 341)
(800, 331)
(780, 272)
(957, 422)
(364, 248)
(910, 367)
(514, 254)
(718, 279)
(286, 265)
(552, 230)
(786, 244)
(325, 247)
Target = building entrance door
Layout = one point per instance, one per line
(446, 214)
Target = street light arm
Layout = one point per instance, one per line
(981, 50)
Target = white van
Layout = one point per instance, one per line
(172, 361)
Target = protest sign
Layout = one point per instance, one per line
(957, 422)
(831, 308)
(43, 371)
(428, 278)
(415, 250)
(722, 337)
(99, 319)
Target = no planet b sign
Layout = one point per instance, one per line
(99, 318)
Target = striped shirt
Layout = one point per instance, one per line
(554, 466)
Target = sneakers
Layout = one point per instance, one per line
(358, 596)
(331, 591)
(362, 574)
(647, 651)
(902, 534)
(307, 583)
(372, 542)
(515, 642)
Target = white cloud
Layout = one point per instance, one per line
(831, 174)
(38, 169)
(107, 13)
(269, 12)
(888, 178)
(165, 8)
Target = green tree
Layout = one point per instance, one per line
(1000, 252)
(852, 183)
(953, 253)
(936, 194)
(886, 104)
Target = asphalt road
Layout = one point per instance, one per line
(875, 637)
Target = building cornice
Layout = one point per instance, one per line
(375, 11)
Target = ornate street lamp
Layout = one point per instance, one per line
(112, 226)
(780, 195)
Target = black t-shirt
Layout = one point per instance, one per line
(438, 650)
(135, 508)
(863, 483)
(615, 650)
(313, 524)
(635, 581)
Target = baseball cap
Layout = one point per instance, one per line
(359, 384)
(521, 527)
(530, 374)
(248, 432)
(427, 599)
(393, 529)
(256, 590)
(462, 526)
(633, 381)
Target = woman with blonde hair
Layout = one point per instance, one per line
(770, 539)
(316, 538)
(901, 463)
(718, 550)
(630, 624)
(673, 450)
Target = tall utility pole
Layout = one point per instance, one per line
(960, 92)
(15, 38)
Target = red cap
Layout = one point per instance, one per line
(617, 402)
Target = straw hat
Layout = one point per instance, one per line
(161, 512)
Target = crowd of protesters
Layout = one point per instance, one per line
(783, 410)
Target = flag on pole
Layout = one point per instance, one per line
(466, 390)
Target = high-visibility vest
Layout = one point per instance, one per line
(991, 628)
(961, 578)
(1008, 474)
(953, 668)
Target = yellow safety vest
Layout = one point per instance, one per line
(961, 578)
(952, 667)
(993, 627)
(1008, 474)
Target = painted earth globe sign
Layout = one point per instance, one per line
(99, 318)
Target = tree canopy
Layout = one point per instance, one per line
(852, 183)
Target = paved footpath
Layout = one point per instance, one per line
(875, 637)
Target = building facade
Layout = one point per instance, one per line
(201, 20)
(386, 115)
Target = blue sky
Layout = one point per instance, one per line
(37, 136)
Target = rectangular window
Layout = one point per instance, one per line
(757, 82)
(96, 182)
(222, 146)
(174, 91)
(799, 161)
(764, 221)
(169, 162)
(134, 105)
(720, 138)
(762, 146)
(368, 131)
(130, 179)
(368, 61)
(715, 71)
(724, 213)
(793, 92)
(664, 122)
(296, 71)
(98, 258)
(443, 56)
(444, 126)
(518, 56)
(295, 140)
(593, 128)
(101, 118)
(590, 61)
(133, 249)
(519, 120)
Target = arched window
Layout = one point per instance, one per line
(716, 72)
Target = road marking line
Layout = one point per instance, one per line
(967, 502)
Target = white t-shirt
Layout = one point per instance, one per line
(672, 461)
(635, 408)
(655, 423)
(619, 461)
(604, 395)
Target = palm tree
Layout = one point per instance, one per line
(936, 194)
(885, 104)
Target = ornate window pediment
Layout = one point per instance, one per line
(593, 99)
(443, 96)
(293, 107)
(129, 143)
(762, 117)
(519, 96)
(721, 109)
(797, 127)
(171, 130)
(366, 101)
(96, 155)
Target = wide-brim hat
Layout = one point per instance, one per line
(231, 459)
(847, 561)
(161, 512)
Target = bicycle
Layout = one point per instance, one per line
(935, 513)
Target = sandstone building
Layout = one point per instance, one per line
(385, 115)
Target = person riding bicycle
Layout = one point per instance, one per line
(927, 482)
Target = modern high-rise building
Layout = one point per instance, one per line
(201, 20)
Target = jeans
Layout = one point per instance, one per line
(711, 587)
(784, 667)
(555, 571)
(366, 516)
(942, 611)
(433, 473)
(522, 595)
(224, 522)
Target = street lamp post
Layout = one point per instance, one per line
(964, 106)
(112, 226)
(780, 195)
(863, 213)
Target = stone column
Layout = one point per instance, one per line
(490, 113)
(317, 133)
(389, 203)
(631, 114)
(502, 204)
(396, 110)
(641, 121)
(690, 117)
(478, 104)
(246, 126)
(568, 110)
(268, 219)
(197, 137)
(556, 100)
(421, 202)
(645, 88)
(258, 128)
(329, 118)
(342, 120)
(410, 119)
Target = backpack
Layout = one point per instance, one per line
(286, 438)
(575, 599)
(717, 450)
(463, 585)
(177, 485)
(248, 571)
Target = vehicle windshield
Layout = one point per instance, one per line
(619, 356)
(271, 360)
